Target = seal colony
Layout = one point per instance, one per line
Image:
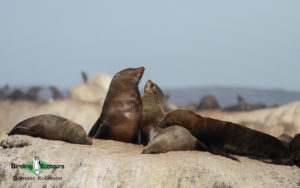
(128, 117)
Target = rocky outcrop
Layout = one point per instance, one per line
(244, 106)
(93, 91)
(275, 121)
(208, 103)
(13, 112)
(115, 164)
(191, 106)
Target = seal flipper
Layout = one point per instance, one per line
(288, 162)
(139, 138)
(218, 151)
(21, 130)
(96, 128)
(99, 130)
(201, 146)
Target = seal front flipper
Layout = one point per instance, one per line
(21, 130)
(102, 131)
(97, 128)
(218, 151)
(139, 138)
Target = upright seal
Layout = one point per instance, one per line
(153, 102)
(223, 137)
(122, 109)
(160, 140)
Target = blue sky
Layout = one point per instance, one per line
(181, 43)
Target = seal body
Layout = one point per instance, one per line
(285, 139)
(295, 149)
(52, 127)
(153, 103)
(223, 137)
(174, 138)
(121, 114)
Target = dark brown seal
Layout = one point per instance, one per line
(223, 137)
(174, 138)
(295, 149)
(285, 139)
(122, 109)
(52, 127)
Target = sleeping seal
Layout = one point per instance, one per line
(52, 127)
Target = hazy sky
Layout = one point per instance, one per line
(181, 43)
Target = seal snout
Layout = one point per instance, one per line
(149, 84)
(141, 70)
(138, 72)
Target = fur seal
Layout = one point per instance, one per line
(52, 127)
(174, 138)
(285, 139)
(122, 109)
(162, 140)
(223, 138)
(295, 149)
(153, 103)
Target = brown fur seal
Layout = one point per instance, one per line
(122, 109)
(174, 138)
(162, 140)
(295, 149)
(223, 137)
(285, 139)
(153, 103)
(53, 128)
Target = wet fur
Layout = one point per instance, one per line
(122, 109)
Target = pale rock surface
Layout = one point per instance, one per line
(115, 164)
(94, 90)
(2, 137)
(101, 81)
